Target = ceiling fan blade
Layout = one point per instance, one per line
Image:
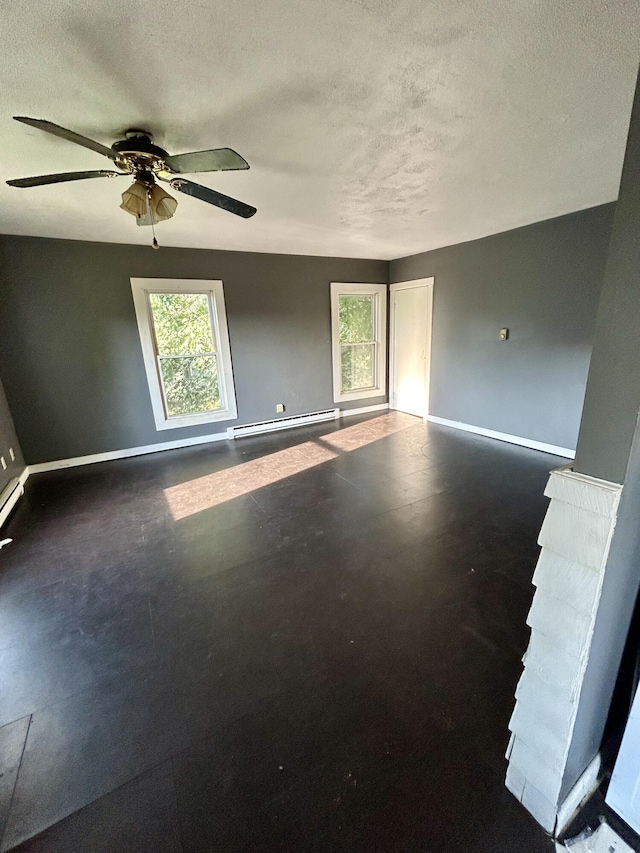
(213, 197)
(215, 160)
(69, 135)
(61, 177)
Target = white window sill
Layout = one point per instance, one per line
(359, 395)
(196, 420)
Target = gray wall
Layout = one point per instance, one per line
(609, 448)
(8, 438)
(70, 353)
(613, 391)
(542, 282)
(617, 602)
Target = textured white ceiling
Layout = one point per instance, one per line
(374, 128)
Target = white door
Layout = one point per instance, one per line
(410, 321)
(624, 789)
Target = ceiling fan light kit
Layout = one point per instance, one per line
(137, 156)
(149, 204)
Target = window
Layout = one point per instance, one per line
(359, 335)
(185, 344)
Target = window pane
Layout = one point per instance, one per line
(358, 367)
(190, 384)
(356, 319)
(181, 322)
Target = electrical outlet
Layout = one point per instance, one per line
(279, 407)
(12, 454)
(3, 463)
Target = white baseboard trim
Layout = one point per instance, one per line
(364, 410)
(584, 787)
(566, 452)
(92, 458)
(14, 496)
(57, 464)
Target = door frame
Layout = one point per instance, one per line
(393, 289)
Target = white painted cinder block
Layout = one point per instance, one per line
(559, 621)
(553, 707)
(553, 663)
(537, 773)
(548, 737)
(597, 496)
(531, 798)
(540, 807)
(568, 581)
(544, 740)
(515, 781)
(575, 539)
(547, 696)
(577, 534)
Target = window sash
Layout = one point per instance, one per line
(373, 297)
(161, 381)
(378, 295)
(356, 388)
(165, 396)
(142, 289)
(187, 355)
(210, 311)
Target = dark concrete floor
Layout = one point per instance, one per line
(306, 641)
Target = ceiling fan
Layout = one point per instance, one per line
(137, 155)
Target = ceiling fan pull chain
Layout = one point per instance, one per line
(155, 243)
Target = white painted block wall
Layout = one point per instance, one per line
(575, 539)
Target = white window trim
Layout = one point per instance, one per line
(339, 288)
(140, 288)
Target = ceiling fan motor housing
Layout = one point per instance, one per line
(137, 153)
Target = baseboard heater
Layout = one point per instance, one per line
(9, 497)
(283, 423)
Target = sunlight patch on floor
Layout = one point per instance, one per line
(358, 435)
(211, 490)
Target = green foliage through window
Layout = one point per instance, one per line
(181, 323)
(357, 350)
(186, 352)
(357, 367)
(356, 319)
(190, 384)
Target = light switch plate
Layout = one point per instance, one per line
(12, 454)
(504, 334)
(279, 407)
(3, 462)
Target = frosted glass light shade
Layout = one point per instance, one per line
(148, 206)
(134, 200)
(162, 205)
